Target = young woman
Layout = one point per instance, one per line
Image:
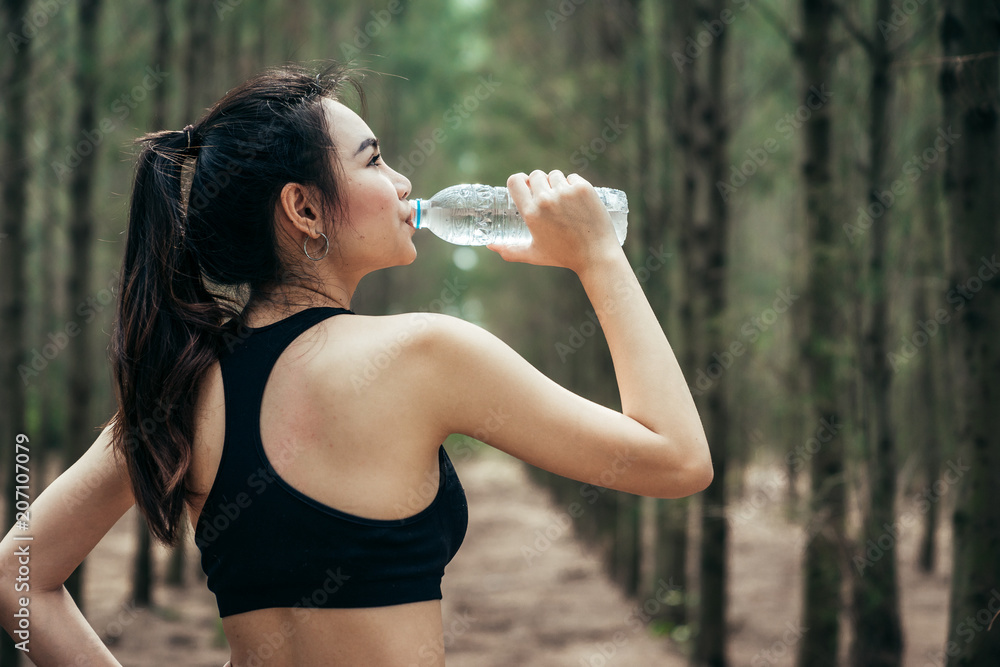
(325, 507)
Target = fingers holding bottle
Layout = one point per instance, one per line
(569, 224)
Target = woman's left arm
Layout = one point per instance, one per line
(66, 521)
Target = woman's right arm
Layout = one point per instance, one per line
(66, 521)
(656, 446)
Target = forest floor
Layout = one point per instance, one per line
(558, 609)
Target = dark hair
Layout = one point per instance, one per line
(192, 262)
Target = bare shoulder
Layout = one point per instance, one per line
(412, 337)
(409, 364)
(210, 430)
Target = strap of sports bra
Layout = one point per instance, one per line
(275, 337)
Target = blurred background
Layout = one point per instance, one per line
(813, 195)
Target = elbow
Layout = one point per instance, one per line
(693, 476)
(702, 472)
(702, 475)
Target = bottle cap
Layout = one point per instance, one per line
(415, 204)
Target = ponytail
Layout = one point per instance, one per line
(164, 339)
(193, 263)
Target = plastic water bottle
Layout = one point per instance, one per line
(483, 214)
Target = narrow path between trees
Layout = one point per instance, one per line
(523, 593)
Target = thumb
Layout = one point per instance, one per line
(513, 253)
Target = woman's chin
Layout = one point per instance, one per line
(412, 255)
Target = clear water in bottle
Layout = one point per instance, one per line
(484, 214)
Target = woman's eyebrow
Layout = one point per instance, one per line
(370, 141)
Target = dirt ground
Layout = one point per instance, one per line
(559, 609)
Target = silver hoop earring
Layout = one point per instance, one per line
(305, 249)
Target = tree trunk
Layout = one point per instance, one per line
(81, 227)
(14, 170)
(878, 640)
(970, 88)
(822, 573)
(686, 101)
(627, 543)
(668, 549)
(928, 406)
(930, 395)
(142, 571)
(198, 81)
(710, 647)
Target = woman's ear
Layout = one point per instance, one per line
(298, 208)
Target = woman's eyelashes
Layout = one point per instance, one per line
(375, 161)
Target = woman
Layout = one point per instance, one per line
(325, 507)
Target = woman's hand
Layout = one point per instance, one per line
(570, 227)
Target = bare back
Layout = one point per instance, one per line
(337, 425)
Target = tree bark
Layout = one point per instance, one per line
(970, 89)
(198, 82)
(686, 101)
(930, 392)
(928, 406)
(81, 228)
(878, 638)
(823, 553)
(142, 571)
(14, 170)
(707, 282)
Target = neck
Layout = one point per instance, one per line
(286, 299)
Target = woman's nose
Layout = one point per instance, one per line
(403, 186)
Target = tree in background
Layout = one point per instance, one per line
(970, 90)
(81, 231)
(826, 531)
(142, 576)
(875, 616)
(14, 170)
(657, 81)
(565, 70)
(706, 255)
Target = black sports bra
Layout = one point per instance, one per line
(265, 544)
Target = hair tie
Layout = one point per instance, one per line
(188, 130)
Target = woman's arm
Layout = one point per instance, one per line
(67, 520)
(656, 446)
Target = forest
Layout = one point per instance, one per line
(811, 217)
